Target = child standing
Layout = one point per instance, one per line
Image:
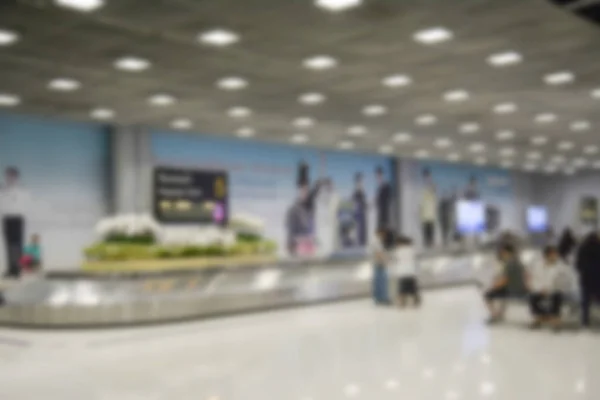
(405, 268)
(32, 255)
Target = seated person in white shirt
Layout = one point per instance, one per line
(405, 268)
(496, 295)
(545, 300)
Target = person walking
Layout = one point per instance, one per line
(13, 199)
(588, 266)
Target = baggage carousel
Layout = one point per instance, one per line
(79, 299)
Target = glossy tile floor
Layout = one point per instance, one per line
(339, 351)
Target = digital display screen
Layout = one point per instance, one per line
(537, 219)
(470, 217)
(190, 196)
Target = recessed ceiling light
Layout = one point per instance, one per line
(311, 98)
(456, 95)
(505, 135)
(507, 152)
(357, 130)
(590, 150)
(8, 37)
(477, 147)
(132, 64)
(321, 62)
(239, 112)
(580, 162)
(596, 165)
(534, 155)
(550, 169)
(559, 78)
(64, 84)
(579, 126)
(558, 159)
(181, 123)
(303, 122)
(402, 137)
(80, 5)
(337, 5)
(386, 149)
(469, 128)
(539, 140)
(507, 164)
(161, 100)
(566, 145)
(530, 167)
(246, 132)
(545, 118)
(397, 80)
(569, 171)
(232, 83)
(443, 143)
(481, 161)
(299, 138)
(9, 100)
(504, 59)
(426, 120)
(374, 110)
(433, 35)
(595, 93)
(346, 145)
(505, 108)
(454, 157)
(218, 37)
(102, 113)
(422, 153)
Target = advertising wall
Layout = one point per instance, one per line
(62, 183)
(312, 202)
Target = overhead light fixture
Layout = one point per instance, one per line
(426, 120)
(454, 157)
(357, 130)
(239, 112)
(397, 80)
(545, 118)
(299, 138)
(64, 84)
(595, 93)
(181, 123)
(338, 5)
(80, 5)
(539, 140)
(507, 164)
(559, 78)
(530, 167)
(386, 149)
(550, 169)
(321, 62)
(433, 35)
(422, 153)
(346, 145)
(456, 96)
(569, 171)
(477, 147)
(303, 122)
(102, 113)
(132, 64)
(504, 59)
(481, 161)
(558, 159)
(232, 83)
(596, 164)
(161, 100)
(218, 37)
(534, 155)
(505, 135)
(580, 126)
(9, 100)
(245, 132)
(566, 146)
(505, 108)
(374, 110)
(311, 98)
(402, 137)
(469, 128)
(507, 152)
(8, 37)
(590, 150)
(443, 143)
(580, 162)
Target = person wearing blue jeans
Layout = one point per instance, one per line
(380, 273)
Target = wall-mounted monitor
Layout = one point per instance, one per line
(470, 217)
(537, 219)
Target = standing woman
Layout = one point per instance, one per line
(380, 279)
(12, 212)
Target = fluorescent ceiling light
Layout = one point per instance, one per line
(232, 83)
(397, 80)
(539, 140)
(580, 162)
(9, 100)
(303, 122)
(311, 98)
(218, 37)
(132, 64)
(161, 100)
(590, 150)
(422, 153)
(357, 130)
(456, 95)
(507, 152)
(566, 145)
(433, 35)
(579, 126)
(550, 169)
(386, 149)
(454, 157)
(64, 84)
(469, 128)
(530, 167)
(102, 113)
(443, 143)
(559, 78)
(477, 147)
(558, 159)
(545, 118)
(245, 132)
(8, 37)
(374, 110)
(239, 112)
(505, 135)
(80, 5)
(595, 93)
(181, 123)
(299, 138)
(534, 155)
(507, 164)
(402, 137)
(337, 5)
(481, 161)
(426, 119)
(504, 59)
(346, 145)
(321, 62)
(505, 108)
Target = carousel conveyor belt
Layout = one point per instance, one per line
(79, 300)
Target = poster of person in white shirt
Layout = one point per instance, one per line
(13, 199)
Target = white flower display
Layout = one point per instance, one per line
(128, 225)
(246, 223)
